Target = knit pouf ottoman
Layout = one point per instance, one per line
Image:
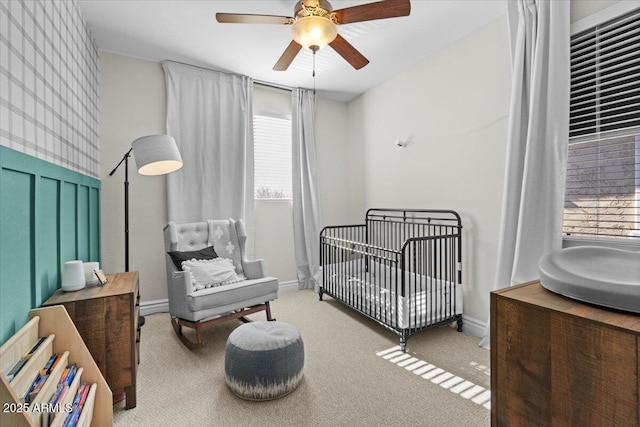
(263, 360)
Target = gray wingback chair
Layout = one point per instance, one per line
(209, 306)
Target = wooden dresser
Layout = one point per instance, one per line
(557, 361)
(107, 319)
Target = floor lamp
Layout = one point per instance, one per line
(154, 155)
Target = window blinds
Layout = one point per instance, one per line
(603, 175)
(605, 79)
(272, 157)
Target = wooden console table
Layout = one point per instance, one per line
(107, 319)
(557, 361)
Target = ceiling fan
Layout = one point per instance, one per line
(314, 25)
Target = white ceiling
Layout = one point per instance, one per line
(186, 31)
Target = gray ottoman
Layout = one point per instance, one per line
(263, 360)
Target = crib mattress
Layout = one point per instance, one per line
(427, 300)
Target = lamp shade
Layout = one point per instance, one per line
(156, 155)
(314, 32)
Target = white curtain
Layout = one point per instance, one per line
(537, 140)
(306, 198)
(210, 115)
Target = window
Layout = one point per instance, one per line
(272, 154)
(603, 175)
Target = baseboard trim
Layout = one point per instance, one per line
(162, 305)
(288, 286)
(152, 307)
(473, 326)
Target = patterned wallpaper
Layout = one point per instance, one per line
(49, 83)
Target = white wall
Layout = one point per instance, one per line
(338, 158)
(133, 104)
(453, 107)
(583, 8)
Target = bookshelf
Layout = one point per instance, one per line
(62, 338)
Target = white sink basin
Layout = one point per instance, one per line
(593, 274)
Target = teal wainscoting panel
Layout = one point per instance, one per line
(83, 224)
(16, 250)
(48, 215)
(94, 223)
(48, 221)
(69, 221)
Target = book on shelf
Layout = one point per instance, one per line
(78, 396)
(58, 395)
(41, 377)
(13, 371)
(78, 403)
(35, 387)
(51, 364)
(85, 394)
(54, 402)
(66, 378)
(63, 385)
(68, 374)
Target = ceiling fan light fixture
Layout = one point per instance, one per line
(314, 32)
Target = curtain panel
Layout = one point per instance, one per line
(537, 140)
(306, 197)
(210, 115)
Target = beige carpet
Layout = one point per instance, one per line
(346, 382)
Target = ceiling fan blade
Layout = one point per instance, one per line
(371, 11)
(348, 52)
(240, 18)
(288, 56)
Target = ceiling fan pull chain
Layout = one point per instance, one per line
(314, 71)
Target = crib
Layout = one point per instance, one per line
(402, 268)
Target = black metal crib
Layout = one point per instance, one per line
(402, 268)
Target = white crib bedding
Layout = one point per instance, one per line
(427, 300)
